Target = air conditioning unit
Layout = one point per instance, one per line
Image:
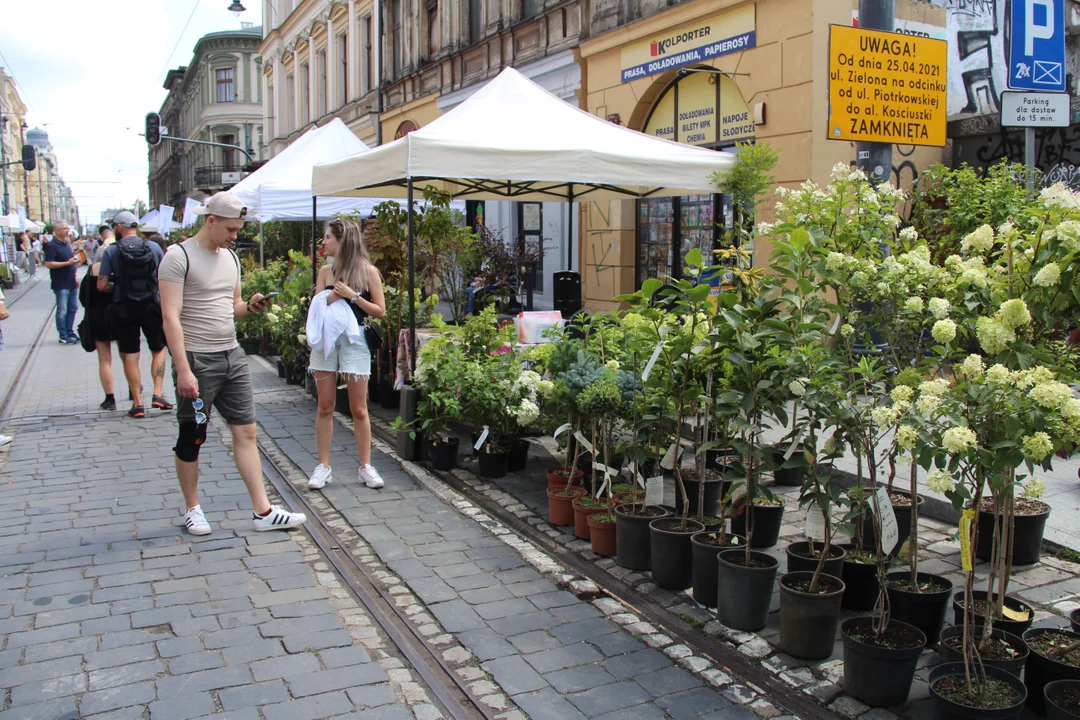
(230, 178)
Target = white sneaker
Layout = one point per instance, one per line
(320, 477)
(195, 522)
(370, 477)
(4, 440)
(278, 519)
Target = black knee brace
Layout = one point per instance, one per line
(192, 436)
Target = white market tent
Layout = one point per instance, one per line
(513, 140)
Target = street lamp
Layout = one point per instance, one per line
(236, 8)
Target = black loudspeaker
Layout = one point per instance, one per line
(566, 292)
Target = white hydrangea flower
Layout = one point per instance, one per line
(958, 439)
(883, 416)
(909, 234)
(906, 437)
(980, 240)
(1051, 395)
(972, 367)
(1034, 489)
(271, 318)
(1014, 313)
(927, 404)
(302, 339)
(939, 480)
(847, 330)
(937, 387)
(944, 331)
(1037, 446)
(1048, 276)
(527, 412)
(939, 308)
(914, 304)
(902, 393)
(798, 387)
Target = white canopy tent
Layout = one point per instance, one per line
(513, 140)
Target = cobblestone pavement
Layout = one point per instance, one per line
(499, 610)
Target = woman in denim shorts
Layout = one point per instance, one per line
(353, 279)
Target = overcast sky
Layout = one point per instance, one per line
(90, 70)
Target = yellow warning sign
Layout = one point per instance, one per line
(886, 87)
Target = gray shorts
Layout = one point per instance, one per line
(224, 383)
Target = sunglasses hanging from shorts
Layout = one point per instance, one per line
(200, 417)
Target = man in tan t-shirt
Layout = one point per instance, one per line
(199, 280)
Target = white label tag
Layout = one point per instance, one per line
(654, 490)
(603, 486)
(652, 361)
(480, 441)
(605, 469)
(815, 523)
(794, 444)
(890, 531)
(584, 443)
(640, 480)
(668, 462)
(560, 430)
(836, 324)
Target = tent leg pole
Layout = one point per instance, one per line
(262, 246)
(570, 231)
(314, 234)
(412, 282)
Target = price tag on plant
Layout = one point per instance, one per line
(640, 480)
(560, 430)
(483, 436)
(794, 444)
(890, 531)
(652, 361)
(815, 524)
(603, 486)
(654, 490)
(668, 461)
(584, 443)
(605, 469)
(965, 540)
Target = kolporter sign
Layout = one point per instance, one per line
(886, 87)
(690, 44)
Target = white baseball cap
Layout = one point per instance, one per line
(223, 205)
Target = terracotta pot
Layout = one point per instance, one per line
(560, 511)
(557, 477)
(602, 535)
(581, 517)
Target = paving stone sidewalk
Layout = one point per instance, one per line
(525, 642)
(108, 610)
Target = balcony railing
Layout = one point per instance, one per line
(212, 176)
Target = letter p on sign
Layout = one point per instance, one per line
(1033, 30)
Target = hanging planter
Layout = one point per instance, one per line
(878, 669)
(706, 546)
(560, 511)
(800, 558)
(633, 544)
(671, 549)
(860, 580)
(441, 452)
(561, 477)
(1047, 663)
(979, 611)
(923, 605)
(1028, 527)
(1005, 650)
(519, 455)
(947, 687)
(602, 533)
(744, 592)
(1062, 699)
(768, 517)
(808, 619)
(585, 506)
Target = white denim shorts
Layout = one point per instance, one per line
(352, 360)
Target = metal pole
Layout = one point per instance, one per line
(1029, 157)
(875, 159)
(314, 234)
(3, 158)
(570, 230)
(412, 282)
(262, 246)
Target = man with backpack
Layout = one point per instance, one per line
(129, 267)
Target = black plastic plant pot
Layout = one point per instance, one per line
(1041, 670)
(860, 583)
(281, 370)
(443, 454)
(794, 473)
(704, 557)
(492, 464)
(722, 460)
(519, 455)
(389, 398)
(1013, 666)
(1054, 695)
(1016, 627)
(1074, 620)
(671, 552)
(767, 521)
(903, 525)
(808, 620)
(945, 709)
(714, 490)
(633, 544)
(799, 558)
(744, 594)
(341, 401)
(924, 610)
(879, 676)
(1027, 537)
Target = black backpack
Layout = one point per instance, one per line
(136, 280)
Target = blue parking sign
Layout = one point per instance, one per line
(1037, 45)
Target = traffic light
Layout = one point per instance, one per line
(153, 129)
(29, 159)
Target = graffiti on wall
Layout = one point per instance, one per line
(1057, 152)
(977, 67)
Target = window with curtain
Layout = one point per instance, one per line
(224, 78)
(228, 155)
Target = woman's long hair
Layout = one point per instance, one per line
(352, 260)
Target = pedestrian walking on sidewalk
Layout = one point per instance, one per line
(201, 302)
(96, 304)
(129, 269)
(61, 260)
(354, 280)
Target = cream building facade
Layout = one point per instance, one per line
(13, 185)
